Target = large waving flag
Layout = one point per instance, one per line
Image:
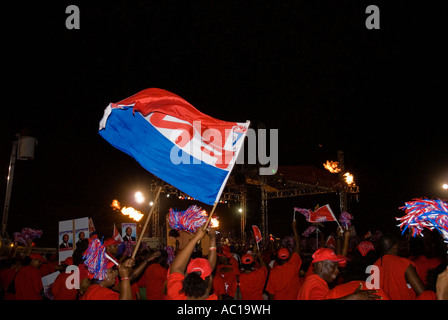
(174, 141)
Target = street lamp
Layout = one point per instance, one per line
(22, 149)
(445, 186)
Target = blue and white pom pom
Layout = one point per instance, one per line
(425, 213)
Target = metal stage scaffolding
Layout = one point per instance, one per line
(288, 181)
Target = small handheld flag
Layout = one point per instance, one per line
(322, 214)
(116, 235)
(257, 234)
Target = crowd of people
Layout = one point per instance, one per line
(373, 267)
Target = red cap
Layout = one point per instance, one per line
(200, 265)
(68, 261)
(283, 253)
(323, 254)
(247, 259)
(37, 256)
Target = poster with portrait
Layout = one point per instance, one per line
(71, 233)
(129, 232)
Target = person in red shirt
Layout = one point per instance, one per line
(325, 271)
(59, 288)
(49, 266)
(192, 280)
(28, 280)
(426, 253)
(101, 289)
(283, 281)
(7, 277)
(155, 278)
(396, 272)
(251, 280)
(224, 282)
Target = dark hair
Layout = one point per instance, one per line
(247, 266)
(173, 233)
(194, 286)
(386, 243)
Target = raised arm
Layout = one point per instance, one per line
(343, 234)
(414, 280)
(212, 251)
(142, 266)
(124, 271)
(183, 257)
(296, 236)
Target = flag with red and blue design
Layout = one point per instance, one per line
(173, 140)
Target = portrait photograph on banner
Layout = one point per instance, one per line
(129, 232)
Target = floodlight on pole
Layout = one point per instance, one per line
(22, 149)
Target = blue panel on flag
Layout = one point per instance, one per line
(134, 135)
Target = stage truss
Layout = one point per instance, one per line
(271, 187)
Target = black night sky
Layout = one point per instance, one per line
(311, 69)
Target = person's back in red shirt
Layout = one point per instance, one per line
(6, 281)
(423, 264)
(224, 282)
(28, 284)
(283, 282)
(252, 284)
(96, 292)
(155, 276)
(314, 288)
(60, 290)
(392, 271)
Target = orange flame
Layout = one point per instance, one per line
(332, 166)
(115, 204)
(214, 223)
(127, 211)
(132, 213)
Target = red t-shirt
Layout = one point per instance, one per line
(155, 276)
(174, 285)
(283, 280)
(59, 289)
(392, 277)
(48, 267)
(6, 278)
(97, 292)
(423, 264)
(224, 281)
(344, 289)
(314, 288)
(252, 284)
(427, 295)
(28, 283)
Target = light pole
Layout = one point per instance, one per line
(22, 149)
